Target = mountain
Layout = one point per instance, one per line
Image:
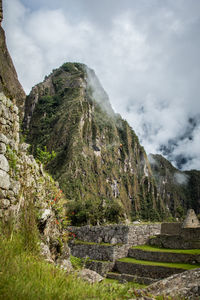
(179, 189)
(99, 164)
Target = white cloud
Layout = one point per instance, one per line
(146, 54)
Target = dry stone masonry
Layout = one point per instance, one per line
(23, 179)
(116, 234)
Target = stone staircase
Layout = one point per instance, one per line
(153, 264)
(122, 261)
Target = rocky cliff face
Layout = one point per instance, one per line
(100, 163)
(179, 190)
(9, 83)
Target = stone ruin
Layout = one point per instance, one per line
(184, 235)
(191, 220)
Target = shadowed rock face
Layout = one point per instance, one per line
(9, 83)
(179, 189)
(1, 11)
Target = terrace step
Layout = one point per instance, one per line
(101, 267)
(98, 251)
(155, 270)
(164, 255)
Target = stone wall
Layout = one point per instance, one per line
(171, 228)
(156, 272)
(97, 251)
(164, 256)
(191, 233)
(174, 242)
(22, 180)
(116, 234)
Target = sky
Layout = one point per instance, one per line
(146, 54)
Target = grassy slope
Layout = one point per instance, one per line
(24, 275)
(153, 263)
(155, 249)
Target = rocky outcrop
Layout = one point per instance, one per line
(9, 83)
(1, 12)
(185, 285)
(90, 276)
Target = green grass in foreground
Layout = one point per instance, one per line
(130, 284)
(24, 275)
(156, 249)
(153, 263)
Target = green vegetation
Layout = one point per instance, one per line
(92, 243)
(77, 262)
(130, 284)
(99, 162)
(44, 156)
(154, 263)
(155, 249)
(24, 275)
(12, 159)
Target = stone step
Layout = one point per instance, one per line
(162, 255)
(101, 267)
(130, 278)
(155, 270)
(98, 251)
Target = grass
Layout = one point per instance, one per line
(130, 284)
(156, 249)
(153, 263)
(24, 275)
(79, 242)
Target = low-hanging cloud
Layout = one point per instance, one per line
(146, 54)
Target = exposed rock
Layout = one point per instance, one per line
(3, 138)
(4, 165)
(4, 180)
(45, 252)
(185, 285)
(90, 276)
(9, 83)
(65, 264)
(2, 148)
(4, 203)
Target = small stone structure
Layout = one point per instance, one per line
(191, 220)
(184, 235)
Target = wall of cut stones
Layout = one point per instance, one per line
(116, 234)
(22, 179)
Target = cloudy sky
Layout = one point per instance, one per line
(146, 54)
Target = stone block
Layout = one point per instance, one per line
(4, 203)
(4, 165)
(4, 180)
(2, 148)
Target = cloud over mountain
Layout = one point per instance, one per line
(146, 54)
